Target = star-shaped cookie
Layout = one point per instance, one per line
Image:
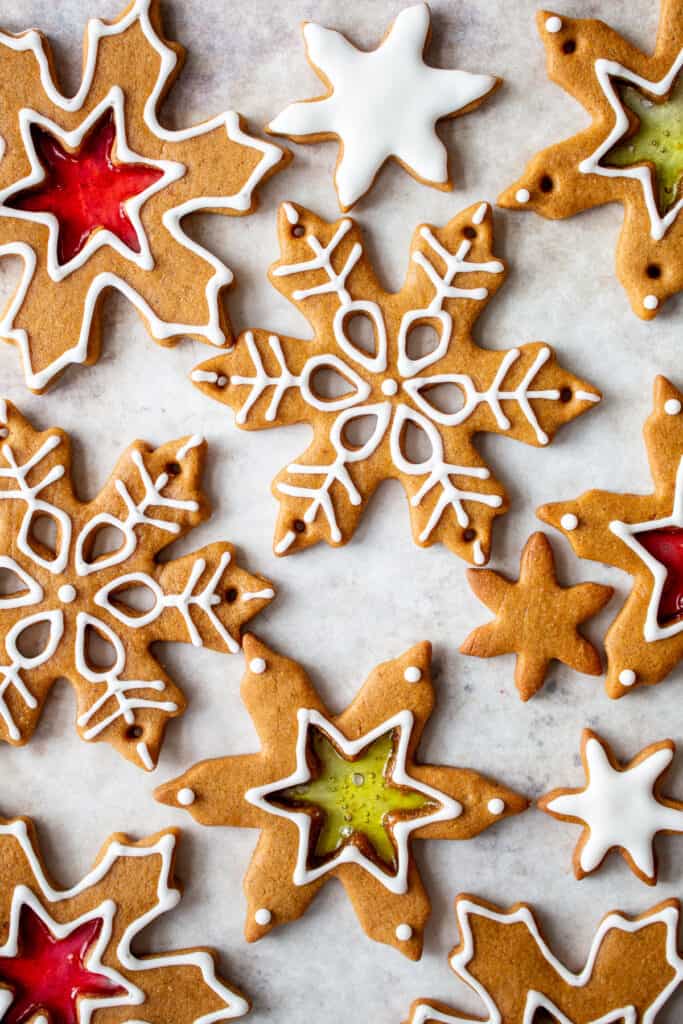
(381, 104)
(536, 618)
(620, 807)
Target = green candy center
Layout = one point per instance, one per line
(655, 138)
(353, 800)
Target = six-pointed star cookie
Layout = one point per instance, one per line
(631, 153)
(381, 104)
(643, 535)
(619, 807)
(536, 618)
(351, 811)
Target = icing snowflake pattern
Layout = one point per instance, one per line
(271, 380)
(70, 592)
(136, 243)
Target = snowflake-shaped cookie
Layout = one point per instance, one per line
(270, 380)
(67, 955)
(631, 153)
(643, 535)
(94, 191)
(340, 795)
(382, 104)
(65, 596)
(621, 806)
(632, 968)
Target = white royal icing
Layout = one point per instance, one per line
(447, 808)
(496, 805)
(412, 674)
(257, 666)
(672, 406)
(186, 796)
(384, 103)
(263, 917)
(607, 71)
(31, 41)
(522, 195)
(404, 932)
(627, 677)
(166, 899)
(650, 302)
(619, 808)
(569, 521)
(553, 24)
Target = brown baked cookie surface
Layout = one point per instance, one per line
(631, 152)
(340, 795)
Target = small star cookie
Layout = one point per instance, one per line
(381, 104)
(536, 618)
(620, 807)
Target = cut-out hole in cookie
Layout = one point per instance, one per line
(102, 541)
(173, 468)
(135, 600)
(33, 640)
(546, 183)
(360, 330)
(299, 526)
(446, 397)
(569, 46)
(415, 443)
(422, 339)
(99, 653)
(11, 584)
(653, 270)
(328, 384)
(44, 535)
(666, 547)
(469, 535)
(298, 231)
(231, 595)
(469, 232)
(566, 395)
(358, 431)
(134, 732)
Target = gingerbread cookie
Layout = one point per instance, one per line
(72, 574)
(66, 954)
(395, 411)
(381, 105)
(536, 618)
(340, 795)
(631, 153)
(632, 968)
(643, 535)
(94, 192)
(620, 807)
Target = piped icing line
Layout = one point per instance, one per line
(628, 533)
(258, 595)
(192, 442)
(166, 899)
(271, 155)
(447, 807)
(606, 72)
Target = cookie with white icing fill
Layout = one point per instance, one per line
(84, 596)
(643, 535)
(340, 795)
(632, 968)
(621, 807)
(631, 153)
(68, 956)
(94, 191)
(392, 383)
(381, 104)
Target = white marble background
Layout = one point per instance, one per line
(342, 611)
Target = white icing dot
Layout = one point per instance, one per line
(257, 666)
(404, 932)
(522, 195)
(496, 806)
(263, 916)
(627, 677)
(672, 406)
(553, 24)
(569, 521)
(185, 796)
(650, 302)
(66, 593)
(412, 674)
(389, 387)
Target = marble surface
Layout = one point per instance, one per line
(342, 611)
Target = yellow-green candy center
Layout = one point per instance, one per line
(657, 140)
(352, 798)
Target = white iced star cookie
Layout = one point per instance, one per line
(381, 104)
(620, 807)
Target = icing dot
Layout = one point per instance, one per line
(263, 916)
(522, 195)
(496, 806)
(650, 302)
(66, 593)
(257, 666)
(185, 796)
(627, 677)
(569, 521)
(412, 674)
(553, 24)
(404, 932)
(389, 387)
(672, 406)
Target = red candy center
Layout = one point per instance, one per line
(666, 545)
(48, 974)
(85, 189)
